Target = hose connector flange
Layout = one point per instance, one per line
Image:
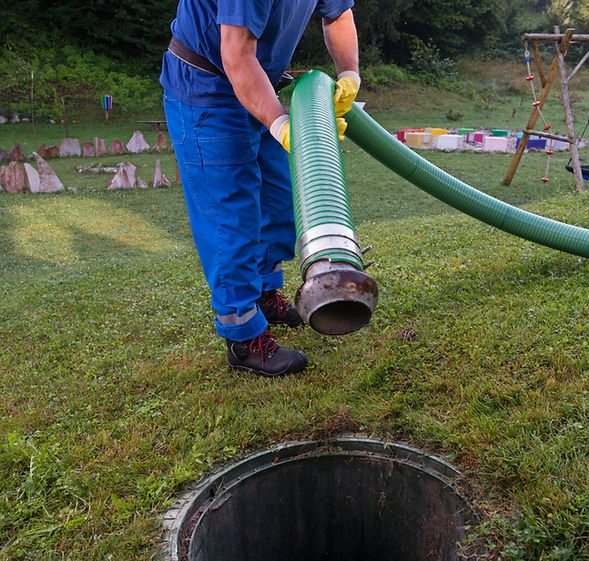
(336, 298)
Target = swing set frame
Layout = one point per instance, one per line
(558, 67)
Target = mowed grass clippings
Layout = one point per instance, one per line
(115, 390)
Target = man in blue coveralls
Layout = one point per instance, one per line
(231, 136)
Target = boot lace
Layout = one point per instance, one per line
(264, 345)
(274, 299)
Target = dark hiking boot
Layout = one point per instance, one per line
(263, 355)
(278, 310)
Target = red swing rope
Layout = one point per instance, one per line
(537, 104)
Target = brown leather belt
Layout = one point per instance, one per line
(184, 53)
(179, 49)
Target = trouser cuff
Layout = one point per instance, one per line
(243, 331)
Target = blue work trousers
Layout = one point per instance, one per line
(237, 187)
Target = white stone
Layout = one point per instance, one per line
(137, 143)
(32, 178)
(48, 180)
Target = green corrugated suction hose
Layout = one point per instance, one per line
(320, 191)
(336, 297)
(377, 142)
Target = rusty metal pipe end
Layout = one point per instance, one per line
(336, 298)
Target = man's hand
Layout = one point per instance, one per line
(280, 130)
(346, 90)
(342, 125)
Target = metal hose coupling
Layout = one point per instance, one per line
(336, 296)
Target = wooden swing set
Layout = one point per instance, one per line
(558, 67)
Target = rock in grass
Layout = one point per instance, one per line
(137, 143)
(11, 178)
(16, 153)
(88, 150)
(160, 142)
(49, 182)
(70, 147)
(160, 180)
(99, 146)
(32, 179)
(124, 178)
(117, 147)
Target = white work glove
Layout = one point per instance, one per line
(280, 130)
(346, 90)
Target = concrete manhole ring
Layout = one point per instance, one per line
(341, 499)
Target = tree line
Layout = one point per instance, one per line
(69, 53)
(136, 32)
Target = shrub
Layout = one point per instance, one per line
(382, 75)
(428, 64)
(71, 80)
(15, 84)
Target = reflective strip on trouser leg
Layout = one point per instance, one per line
(217, 151)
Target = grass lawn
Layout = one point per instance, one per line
(114, 389)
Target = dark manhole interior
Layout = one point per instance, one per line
(344, 499)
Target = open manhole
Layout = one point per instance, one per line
(336, 500)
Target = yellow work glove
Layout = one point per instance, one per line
(342, 125)
(280, 130)
(346, 90)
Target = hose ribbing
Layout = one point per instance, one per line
(336, 296)
(320, 191)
